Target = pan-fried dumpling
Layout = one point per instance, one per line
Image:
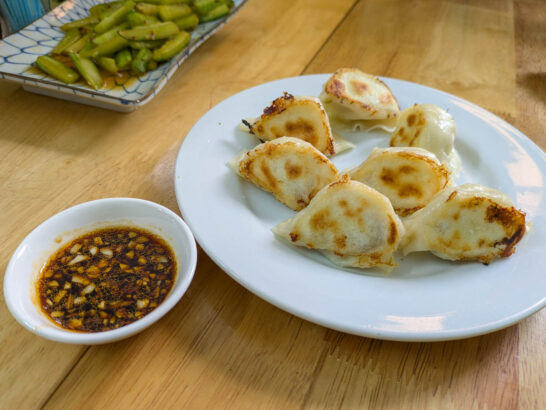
(351, 223)
(468, 222)
(351, 94)
(291, 169)
(430, 127)
(409, 177)
(299, 117)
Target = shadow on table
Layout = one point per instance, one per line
(535, 83)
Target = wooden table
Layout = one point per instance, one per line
(221, 346)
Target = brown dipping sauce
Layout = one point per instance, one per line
(106, 279)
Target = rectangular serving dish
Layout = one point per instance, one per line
(19, 51)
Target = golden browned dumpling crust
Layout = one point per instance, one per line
(351, 223)
(351, 94)
(291, 169)
(409, 177)
(299, 117)
(469, 222)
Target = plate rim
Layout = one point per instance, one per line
(383, 334)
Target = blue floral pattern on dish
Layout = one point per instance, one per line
(19, 51)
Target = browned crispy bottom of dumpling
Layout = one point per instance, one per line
(469, 222)
(299, 117)
(512, 221)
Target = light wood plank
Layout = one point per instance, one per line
(479, 372)
(221, 346)
(467, 50)
(530, 38)
(530, 41)
(464, 50)
(31, 369)
(57, 154)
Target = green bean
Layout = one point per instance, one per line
(80, 23)
(70, 37)
(114, 18)
(108, 63)
(123, 59)
(79, 45)
(146, 44)
(98, 9)
(113, 7)
(138, 19)
(148, 9)
(151, 20)
(86, 48)
(102, 8)
(188, 22)
(215, 13)
(165, 1)
(228, 3)
(107, 48)
(90, 28)
(151, 31)
(172, 47)
(110, 34)
(173, 11)
(56, 69)
(204, 6)
(128, 34)
(135, 19)
(140, 63)
(88, 70)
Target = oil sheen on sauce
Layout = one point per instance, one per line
(106, 279)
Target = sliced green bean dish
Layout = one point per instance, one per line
(132, 36)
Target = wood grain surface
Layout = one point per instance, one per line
(221, 346)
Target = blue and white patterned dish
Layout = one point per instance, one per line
(19, 51)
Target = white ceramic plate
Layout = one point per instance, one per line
(425, 298)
